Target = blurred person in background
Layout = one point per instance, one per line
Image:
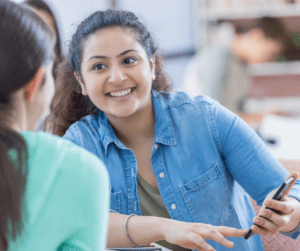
(54, 195)
(220, 70)
(46, 14)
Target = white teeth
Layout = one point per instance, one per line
(120, 94)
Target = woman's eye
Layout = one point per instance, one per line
(99, 67)
(129, 61)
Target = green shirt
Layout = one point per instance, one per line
(66, 198)
(153, 205)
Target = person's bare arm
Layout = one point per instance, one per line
(141, 229)
(144, 230)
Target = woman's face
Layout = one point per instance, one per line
(116, 73)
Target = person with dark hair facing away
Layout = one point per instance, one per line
(46, 14)
(219, 70)
(54, 195)
(180, 166)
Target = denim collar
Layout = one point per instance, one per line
(164, 129)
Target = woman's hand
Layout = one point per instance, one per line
(193, 235)
(286, 220)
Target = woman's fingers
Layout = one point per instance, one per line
(193, 235)
(277, 219)
(260, 231)
(200, 242)
(213, 234)
(271, 222)
(283, 206)
(231, 232)
(266, 224)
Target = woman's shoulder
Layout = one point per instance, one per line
(185, 106)
(90, 123)
(181, 98)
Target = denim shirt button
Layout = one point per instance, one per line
(161, 175)
(173, 206)
(156, 146)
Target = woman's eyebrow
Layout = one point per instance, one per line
(125, 52)
(97, 56)
(105, 57)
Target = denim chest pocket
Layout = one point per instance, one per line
(115, 201)
(207, 197)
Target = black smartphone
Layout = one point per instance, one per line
(277, 196)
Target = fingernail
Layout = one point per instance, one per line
(268, 203)
(264, 214)
(256, 220)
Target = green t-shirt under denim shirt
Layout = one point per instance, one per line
(66, 197)
(153, 205)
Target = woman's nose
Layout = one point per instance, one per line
(116, 76)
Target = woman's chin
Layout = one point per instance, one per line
(121, 113)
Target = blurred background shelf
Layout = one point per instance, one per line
(275, 86)
(227, 13)
(242, 12)
(275, 69)
(275, 80)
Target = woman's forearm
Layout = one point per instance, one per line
(142, 230)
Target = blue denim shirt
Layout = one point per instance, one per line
(206, 161)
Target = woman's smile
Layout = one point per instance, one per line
(121, 94)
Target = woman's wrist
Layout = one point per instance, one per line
(160, 225)
(144, 230)
(166, 226)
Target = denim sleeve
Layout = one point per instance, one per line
(247, 158)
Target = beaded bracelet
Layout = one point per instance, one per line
(126, 232)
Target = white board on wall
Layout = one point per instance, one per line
(170, 21)
(70, 13)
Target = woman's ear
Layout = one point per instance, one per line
(84, 92)
(32, 87)
(152, 65)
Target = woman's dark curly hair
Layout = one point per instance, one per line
(69, 105)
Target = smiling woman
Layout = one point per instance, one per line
(183, 165)
(96, 61)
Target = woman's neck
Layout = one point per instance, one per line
(131, 130)
(13, 119)
(12, 123)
